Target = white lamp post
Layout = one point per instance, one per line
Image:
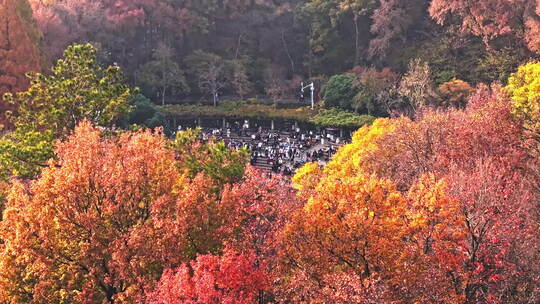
(312, 87)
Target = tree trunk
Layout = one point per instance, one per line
(238, 46)
(163, 96)
(310, 54)
(357, 41)
(287, 50)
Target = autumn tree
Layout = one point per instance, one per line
(245, 216)
(411, 263)
(462, 176)
(64, 22)
(210, 71)
(464, 238)
(57, 35)
(276, 86)
(88, 219)
(490, 19)
(454, 93)
(146, 24)
(353, 159)
(433, 250)
(233, 278)
(391, 21)
(348, 226)
(129, 31)
(417, 85)
(524, 89)
(533, 31)
(403, 149)
(495, 202)
(263, 206)
(77, 89)
(170, 19)
(240, 82)
(370, 84)
(19, 49)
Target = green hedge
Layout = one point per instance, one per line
(339, 118)
(238, 109)
(323, 118)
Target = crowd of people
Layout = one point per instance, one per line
(279, 151)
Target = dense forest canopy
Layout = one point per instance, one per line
(264, 44)
(435, 197)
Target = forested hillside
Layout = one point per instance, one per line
(107, 198)
(172, 48)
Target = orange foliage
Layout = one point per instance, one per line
(18, 48)
(424, 211)
(349, 225)
(111, 212)
(455, 93)
(80, 233)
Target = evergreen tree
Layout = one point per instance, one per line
(78, 89)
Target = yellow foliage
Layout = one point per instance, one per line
(524, 89)
(351, 159)
(348, 219)
(306, 178)
(357, 221)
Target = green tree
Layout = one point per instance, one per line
(212, 158)
(144, 113)
(77, 89)
(327, 16)
(499, 64)
(339, 91)
(162, 73)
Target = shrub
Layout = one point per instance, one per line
(454, 93)
(337, 118)
(145, 113)
(339, 92)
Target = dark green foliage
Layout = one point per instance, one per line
(238, 110)
(338, 118)
(145, 113)
(499, 64)
(306, 39)
(364, 102)
(322, 118)
(339, 91)
(162, 75)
